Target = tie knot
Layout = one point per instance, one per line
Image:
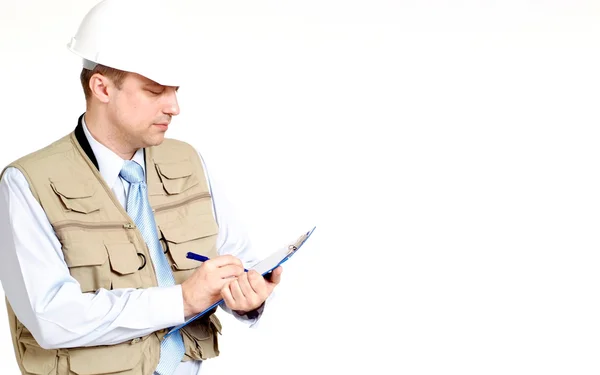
(132, 172)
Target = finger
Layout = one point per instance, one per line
(227, 297)
(236, 291)
(257, 282)
(246, 282)
(230, 271)
(276, 275)
(225, 260)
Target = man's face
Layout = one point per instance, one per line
(141, 110)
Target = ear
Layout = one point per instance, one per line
(101, 87)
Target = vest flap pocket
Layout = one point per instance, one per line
(39, 361)
(178, 169)
(177, 177)
(216, 322)
(198, 236)
(73, 188)
(88, 265)
(200, 338)
(200, 329)
(107, 359)
(76, 195)
(123, 257)
(85, 254)
(198, 228)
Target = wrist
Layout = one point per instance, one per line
(188, 309)
(252, 314)
(194, 302)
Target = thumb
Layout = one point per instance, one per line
(275, 276)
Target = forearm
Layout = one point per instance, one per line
(49, 302)
(73, 319)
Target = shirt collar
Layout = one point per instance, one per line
(109, 163)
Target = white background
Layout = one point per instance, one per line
(447, 151)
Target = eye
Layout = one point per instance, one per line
(155, 89)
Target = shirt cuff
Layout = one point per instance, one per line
(168, 296)
(251, 315)
(253, 318)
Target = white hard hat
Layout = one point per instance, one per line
(139, 36)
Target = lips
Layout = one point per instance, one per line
(164, 125)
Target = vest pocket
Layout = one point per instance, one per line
(200, 338)
(177, 177)
(124, 262)
(88, 264)
(76, 196)
(36, 360)
(123, 359)
(198, 235)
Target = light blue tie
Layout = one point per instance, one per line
(138, 207)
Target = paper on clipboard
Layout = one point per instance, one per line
(263, 267)
(277, 258)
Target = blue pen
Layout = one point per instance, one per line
(201, 258)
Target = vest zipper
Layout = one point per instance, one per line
(65, 224)
(187, 200)
(128, 224)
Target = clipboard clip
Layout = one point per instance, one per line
(299, 242)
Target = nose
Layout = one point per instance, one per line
(172, 105)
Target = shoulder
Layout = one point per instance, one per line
(12, 175)
(57, 147)
(176, 152)
(174, 149)
(42, 161)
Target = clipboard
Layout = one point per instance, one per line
(264, 267)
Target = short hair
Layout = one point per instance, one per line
(116, 75)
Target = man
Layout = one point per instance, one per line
(95, 228)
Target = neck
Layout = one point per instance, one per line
(107, 134)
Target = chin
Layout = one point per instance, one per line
(155, 141)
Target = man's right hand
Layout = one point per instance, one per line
(203, 287)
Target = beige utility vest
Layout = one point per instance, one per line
(103, 248)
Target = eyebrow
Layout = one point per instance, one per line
(158, 85)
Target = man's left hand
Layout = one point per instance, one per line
(250, 290)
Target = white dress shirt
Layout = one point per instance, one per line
(49, 302)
